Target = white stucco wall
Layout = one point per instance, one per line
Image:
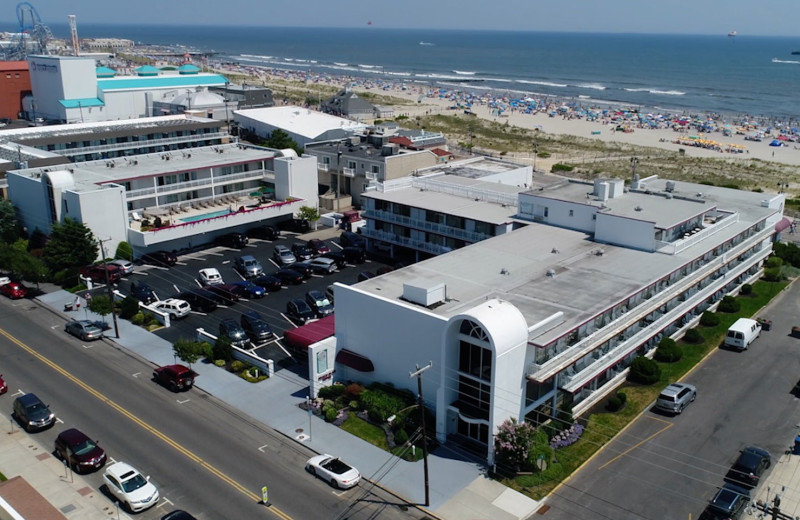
(102, 211)
(297, 177)
(28, 196)
(60, 77)
(628, 232)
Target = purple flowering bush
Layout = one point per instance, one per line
(518, 445)
(567, 436)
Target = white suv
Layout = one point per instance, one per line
(131, 488)
(174, 307)
(210, 276)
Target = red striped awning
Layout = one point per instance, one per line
(783, 224)
(355, 361)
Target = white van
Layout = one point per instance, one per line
(742, 333)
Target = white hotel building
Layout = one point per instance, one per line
(557, 309)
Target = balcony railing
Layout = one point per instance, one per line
(418, 245)
(432, 227)
(349, 172)
(219, 180)
(146, 143)
(322, 167)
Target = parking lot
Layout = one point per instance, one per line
(167, 282)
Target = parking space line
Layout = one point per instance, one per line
(659, 432)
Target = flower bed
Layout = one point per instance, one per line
(567, 437)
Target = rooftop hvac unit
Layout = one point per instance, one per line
(670, 186)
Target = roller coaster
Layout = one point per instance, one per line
(32, 37)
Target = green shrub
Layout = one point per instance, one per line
(746, 290)
(222, 349)
(668, 351)
(353, 405)
(237, 366)
(729, 304)
(128, 307)
(773, 262)
(380, 405)
(124, 251)
(138, 318)
(543, 155)
(220, 363)
(353, 390)
(709, 319)
(561, 167)
(330, 413)
(613, 404)
(644, 371)
(772, 274)
(693, 336)
(622, 396)
(400, 437)
(332, 392)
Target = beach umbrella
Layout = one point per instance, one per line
(775, 142)
(783, 137)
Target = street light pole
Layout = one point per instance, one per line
(110, 290)
(421, 404)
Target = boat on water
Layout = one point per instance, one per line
(429, 44)
(732, 34)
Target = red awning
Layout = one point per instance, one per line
(301, 337)
(783, 224)
(355, 361)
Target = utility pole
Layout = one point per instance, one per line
(338, 172)
(421, 405)
(110, 290)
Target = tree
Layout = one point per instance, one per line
(223, 350)
(9, 225)
(517, 445)
(668, 351)
(124, 251)
(72, 245)
(280, 140)
(101, 304)
(189, 351)
(308, 213)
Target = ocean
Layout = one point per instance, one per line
(693, 73)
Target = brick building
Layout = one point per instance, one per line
(15, 82)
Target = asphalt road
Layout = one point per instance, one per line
(667, 466)
(204, 456)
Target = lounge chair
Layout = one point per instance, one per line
(135, 216)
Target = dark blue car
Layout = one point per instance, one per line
(250, 290)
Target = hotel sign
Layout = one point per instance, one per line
(43, 67)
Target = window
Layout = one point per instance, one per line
(351, 164)
(376, 168)
(546, 211)
(572, 213)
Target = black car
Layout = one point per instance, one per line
(298, 225)
(287, 276)
(319, 303)
(302, 252)
(729, 502)
(226, 293)
(337, 257)
(142, 292)
(178, 514)
(749, 466)
(354, 255)
(299, 311)
(234, 332)
(268, 282)
(350, 239)
(255, 327)
(234, 240)
(303, 268)
(265, 232)
(160, 258)
(32, 414)
(199, 299)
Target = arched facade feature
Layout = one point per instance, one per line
(483, 350)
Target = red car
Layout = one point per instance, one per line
(14, 290)
(318, 246)
(3, 385)
(175, 377)
(97, 273)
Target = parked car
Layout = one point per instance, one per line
(14, 290)
(337, 257)
(333, 471)
(199, 299)
(354, 255)
(173, 307)
(264, 232)
(299, 311)
(283, 256)
(233, 240)
(248, 289)
(97, 273)
(3, 385)
(224, 293)
(268, 282)
(79, 451)
(248, 266)
(32, 414)
(132, 489)
(350, 239)
(329, 290)
(302, 252)
(178, 514)
(83, 329)
(298, 225)
(288, 276)
(322, 265)
(233, 331)
(255, 327)
(675, 397)
(728, 502)
(749, 467)
(365, 275)
(319, 303)
(210, 276)
(126, 266)
(142, 292)
(160, 258)
(303, 268)
(318, 247)
(175, 377)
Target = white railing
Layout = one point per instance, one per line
(112, 147)
(418, 245)
(219, 180)
(322, 167)
(349, 172)
(467, 192)
(433, 227)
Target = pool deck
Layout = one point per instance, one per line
(186, 212)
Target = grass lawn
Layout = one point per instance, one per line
(602, 427)
(376, 436)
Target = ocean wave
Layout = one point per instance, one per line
(656, 91)
(370, 66)
(340, 64)
(542, 83)
(793, 62)
(256, 56)
(403, 74)
(464, 73)
(593, 86)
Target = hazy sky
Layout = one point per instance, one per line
(747, 17)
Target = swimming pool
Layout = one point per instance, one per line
(206, 215)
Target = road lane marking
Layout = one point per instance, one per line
(144, 425)
(656, 434)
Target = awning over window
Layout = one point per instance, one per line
(783, 224)
(355, 361)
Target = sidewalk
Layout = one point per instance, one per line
(458, 489)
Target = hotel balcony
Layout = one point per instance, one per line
(210, 182)
(349, 172)
(322, 167)
(423, 225)
(418, 245)
(144, 143)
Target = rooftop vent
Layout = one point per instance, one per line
(637, 208)
(670, 186)
(555, 251)
(551, 273)
(424, 292)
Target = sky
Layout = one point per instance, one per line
(746, 17)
